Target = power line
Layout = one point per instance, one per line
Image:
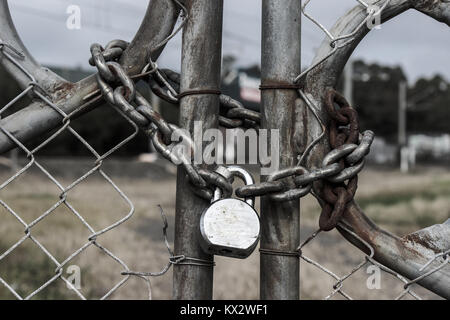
(239, 37)
(129, 10)
(62, 18)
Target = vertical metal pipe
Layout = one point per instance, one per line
(402, 105)
(200, 69)
(348, 82)
(402, 138)
(280, 61)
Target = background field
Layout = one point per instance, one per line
(400, 203)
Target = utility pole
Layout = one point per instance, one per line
(402, 138)
(348, 82)
(200, 70)
(156, 104)
(280, 221)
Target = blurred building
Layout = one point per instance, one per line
(437, 147)
(242, 84)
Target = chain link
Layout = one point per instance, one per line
(165, 83)
(343, 163)
(120, 91)
(343, 131)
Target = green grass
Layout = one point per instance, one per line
(393, 198)
(429, 193)
(35, 196)
(26, 269)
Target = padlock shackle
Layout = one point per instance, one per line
(242, 174)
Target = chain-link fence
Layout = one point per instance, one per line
(406, 288)
(319, 170)
(94, 239)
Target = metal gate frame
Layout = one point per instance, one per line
(407, 256)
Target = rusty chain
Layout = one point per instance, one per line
(343, 131)
(342, 163)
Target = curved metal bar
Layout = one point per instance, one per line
(8, 34)
(74, 98)
(408, 254)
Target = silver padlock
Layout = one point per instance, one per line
(230, 227)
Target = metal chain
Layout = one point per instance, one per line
(336, 194)
(119, 90)
(165, 84)
(303, 178)
(343, 131)
(343, 163)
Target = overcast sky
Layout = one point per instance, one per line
(414, 41)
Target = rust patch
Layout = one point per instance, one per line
(428, 4)
(270, 84)
(63, 89)
(423, 240)
(65, 86)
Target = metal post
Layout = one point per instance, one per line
(280, 61)
(200, 69)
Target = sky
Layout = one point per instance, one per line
(414, 41)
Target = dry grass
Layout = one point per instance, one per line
(399, 203)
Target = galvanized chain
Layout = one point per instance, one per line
(166, 85)
(169, 140)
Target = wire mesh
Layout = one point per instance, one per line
(337, 42)
(368, 260)
(440, 261)
(94, 239)
(435, 263)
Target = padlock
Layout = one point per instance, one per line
(230, 227)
